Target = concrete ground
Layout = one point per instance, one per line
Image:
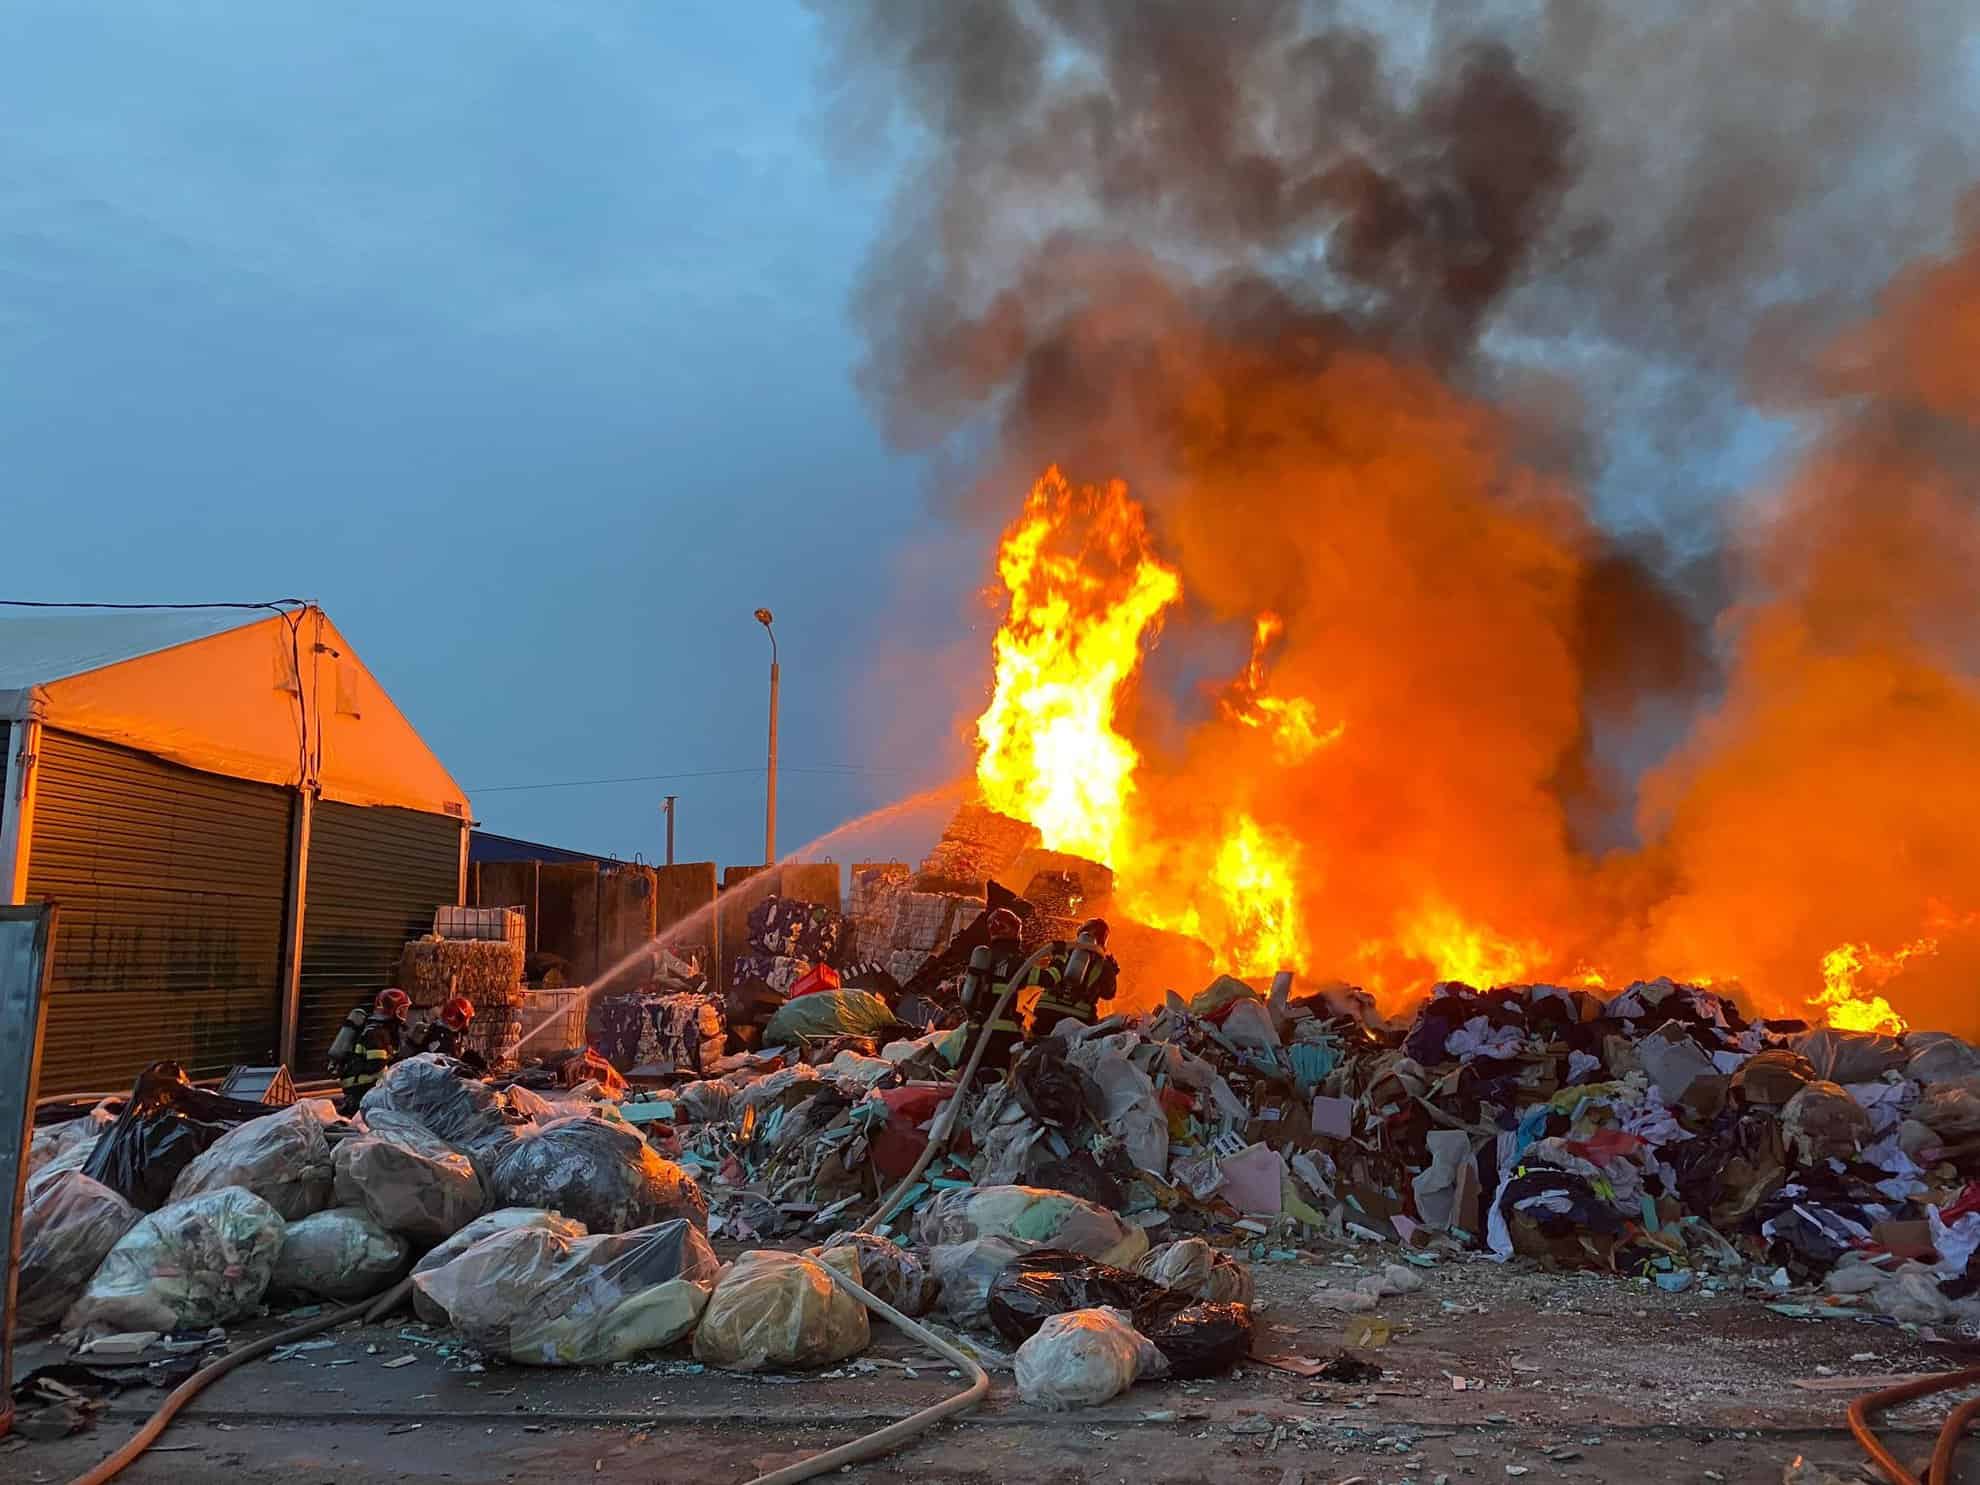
(1566, 1378)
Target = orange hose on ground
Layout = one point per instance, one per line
(1867, 1406)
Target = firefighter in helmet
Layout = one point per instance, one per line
(1072, 980)
(991, 966)
(368, 1043)
(447, 1032)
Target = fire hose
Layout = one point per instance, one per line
(878, 1442)
(1940, 1472)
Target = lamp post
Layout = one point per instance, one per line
(763, 617)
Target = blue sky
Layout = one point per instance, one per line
(517, 335)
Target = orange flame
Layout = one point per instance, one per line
(1851, 1008)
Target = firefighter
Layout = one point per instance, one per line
(991, 966)
(369, 1043)
(447, 1032)
(1072, 981)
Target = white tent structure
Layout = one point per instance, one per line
(238, 827)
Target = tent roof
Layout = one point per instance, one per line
(280, 698)
(41, 645)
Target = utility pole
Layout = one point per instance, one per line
(668, 806)
(764, 617)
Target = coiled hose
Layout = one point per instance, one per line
(878, 1442)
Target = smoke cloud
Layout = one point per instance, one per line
(1451, 339)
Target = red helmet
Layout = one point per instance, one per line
(1003, 923)
(457, 1012)
(394, 1003)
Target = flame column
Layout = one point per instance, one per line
(764, 617)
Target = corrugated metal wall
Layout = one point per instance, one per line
(171, 886)
(375, 877)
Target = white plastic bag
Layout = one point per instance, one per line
(67, 1145)
(964, 1273)
(1194, 1267)
(68, 1227)
(603, 1174)
(1083, 1358)
(342, 1254)
(411, 1181)
(194, 1264)
(284, 1159)
(1033, 1217)
(502, 1219)
(782, 1310)
(536, 1297)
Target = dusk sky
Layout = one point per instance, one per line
(515, 334)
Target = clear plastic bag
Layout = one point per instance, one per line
(1196, 1268)
(502, 1219)
(888, 1272)
(963, 1273)
(604, 1175)
(194, 1264)
(536, 1297)
(412, 1182)
(68, 1227)
(462, 1110)
(284, 1159)
(782, 1310)
(1034, 1217)
(342, 1254)
(1083, 1358)
(67, 1146)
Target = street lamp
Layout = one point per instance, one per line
(763, 617)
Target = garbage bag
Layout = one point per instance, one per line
(67, 1145)
(284, 1159)
(602, 1174)
(412, 1181)
(342, 1254)
(1198, 1339)
(1084, 1358)
(963, 1273)
(165, 1125)
(1939, 1057)
(1032, 1217)
(502, 1219)
(462, 1110)
(1130, 1108)
(70, 1223)
(1849, 1056)
(1823, 1122)
(782, 1310)
(1051, 1089)
(829, 1013)
(1772, 1077)
(195, 1264)
(1193, 1267)
(888, 1271)
(538, 1297)
(1951, 1110)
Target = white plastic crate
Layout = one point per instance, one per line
(498, 924)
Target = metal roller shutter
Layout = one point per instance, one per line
(375, 877)
(171, 884)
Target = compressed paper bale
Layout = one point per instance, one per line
(342, 1255)
(603, 1174)
(503, 1219)
(1083, 1358)
(68, 1227)
(1033, 1217)
(488, 972)
(1194, 1267)
(782, 1310)
(410, 1180)
(284, 1159)
(537, 1297)
(197, 1263)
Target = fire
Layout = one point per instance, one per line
(1439, 936)
(1086, 593)
(1851, 1008)
(1293, 722)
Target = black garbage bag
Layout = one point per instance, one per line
(1051, 1089)
(165, 1126)
(1199, 1340)
(598, 1173)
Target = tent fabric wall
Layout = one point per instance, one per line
(171, 885)
(235, 703)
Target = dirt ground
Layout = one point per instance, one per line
(1566, 1377)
